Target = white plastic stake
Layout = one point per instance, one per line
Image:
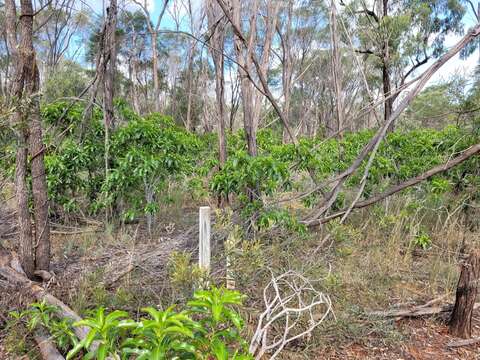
(204, 238)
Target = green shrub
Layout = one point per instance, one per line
(208, 328)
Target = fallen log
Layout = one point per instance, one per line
(463, 156)
(48, 351)
(10, 271)
(417, 311)
(460, 343)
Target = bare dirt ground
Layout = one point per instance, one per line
(425, 339)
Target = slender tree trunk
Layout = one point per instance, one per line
(154, 37)
(39, 188)
(34, 254)
(252, 100)
(156, 80)
(461, 319)
(336, 70)
(110, 60)
(387, 85)
(135, 97)
(217, 39)
(388, 106)
(2, 91)
(287, 69)
(23, 214)
(188, 120)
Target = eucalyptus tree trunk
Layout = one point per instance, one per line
(109, 60)
(153, 32)
(217, 46)
(460, 324)
(287, 68)
(156, 80)
(387, 85)
(34, 247)
(251, 98)
(132, 77)
(110, 57)
(190, 58)
(336, 70)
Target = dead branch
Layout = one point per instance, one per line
(293, 305)
(460, 343)
(8, 265)
(76, 232)
(340, 179)
(465, 155)
(46, 346)
(120, 267)
(416, 311)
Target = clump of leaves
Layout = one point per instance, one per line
(423, 240)
(184, 276)
(209, 327)
(40, 314)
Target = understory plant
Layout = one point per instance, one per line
(147, 155)
(208, 327)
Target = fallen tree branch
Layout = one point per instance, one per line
(76, 232)
(460, 343)
(46, 346)
(416, 311)
(9, 272)
(465, 155)
(338, 181)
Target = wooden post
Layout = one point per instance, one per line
(229, 247)
(204, 238)
(460, 324)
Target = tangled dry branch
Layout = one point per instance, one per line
(293, 309)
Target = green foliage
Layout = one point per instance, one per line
(68, 80)
(40, 314)
(242, 172)
(145, 154)
(423, 240)
(148, 154)
(208, 328)
(415, 30)
(283, 218)
(182, 274)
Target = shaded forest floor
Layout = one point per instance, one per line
(372, 265)
(420, 339)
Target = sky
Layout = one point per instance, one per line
(175, 8)
(457, 65)
(453, 67)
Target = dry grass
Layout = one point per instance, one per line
(372, 262)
